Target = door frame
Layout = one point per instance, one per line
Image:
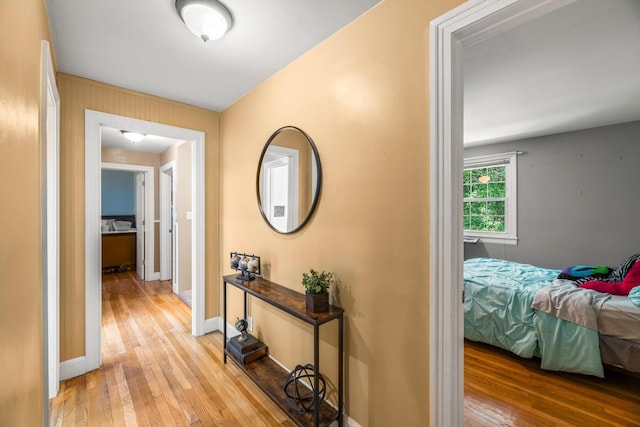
(94, 120)
(149, 202)
(292, 157)
(470, 23)
(50, 200)
(167, 215)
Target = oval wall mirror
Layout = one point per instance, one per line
(289, 180)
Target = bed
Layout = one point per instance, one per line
(600, 329)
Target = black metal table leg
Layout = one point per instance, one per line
(340, 371)
(316, 376)
(245, 305)
(224, 322)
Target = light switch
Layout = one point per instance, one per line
(189, 215)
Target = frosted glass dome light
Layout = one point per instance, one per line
(207, 19)
(133, 137)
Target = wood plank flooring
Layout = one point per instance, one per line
(502, 389)
(155, 373)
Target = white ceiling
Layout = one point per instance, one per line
(576, 68)
(144, 46)
(572, 69)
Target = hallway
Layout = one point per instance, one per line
(154, 373)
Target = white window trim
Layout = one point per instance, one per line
(509, 160)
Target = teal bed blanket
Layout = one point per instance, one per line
(497, 310)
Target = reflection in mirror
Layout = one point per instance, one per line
(289, 179)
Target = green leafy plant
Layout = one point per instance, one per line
(317, 282)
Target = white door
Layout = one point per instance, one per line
(278, 207)
(174, 235)
(167, 221)
(140, 225)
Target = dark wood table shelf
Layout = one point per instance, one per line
(270, 377)
(267, 374)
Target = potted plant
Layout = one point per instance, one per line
(317, 286)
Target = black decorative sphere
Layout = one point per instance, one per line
(298, 388)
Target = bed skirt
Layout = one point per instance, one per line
(620, 353)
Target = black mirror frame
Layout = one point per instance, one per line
(316, 194)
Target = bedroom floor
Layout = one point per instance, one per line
(502, 389)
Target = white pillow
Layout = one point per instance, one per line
(121, 225)
(107, 224)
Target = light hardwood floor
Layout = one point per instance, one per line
(502, 389)
(155, 373)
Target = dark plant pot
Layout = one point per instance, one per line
(317, 303)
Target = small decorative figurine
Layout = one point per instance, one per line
(241, 326)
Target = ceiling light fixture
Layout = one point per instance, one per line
(132, 136)
(484, 179)
(207, 19)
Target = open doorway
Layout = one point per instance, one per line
(127, 201)
(470, 23)
(94, 122)
(279, 187)
(159, 238)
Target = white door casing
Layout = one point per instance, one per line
(175, 285)
(468, 24)
(141, 226)
(50, 187)
(94, 120)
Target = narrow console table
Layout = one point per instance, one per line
(267, 374)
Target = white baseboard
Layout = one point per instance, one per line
(231, 329)
(73, 368)
(212, 324)
(351, 422)
(154, 276)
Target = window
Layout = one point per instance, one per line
(490, 203)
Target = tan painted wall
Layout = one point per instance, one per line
(362, 96)
(76, 95)
(181, 154)
(129, 157)
(183, 206)
(168, 155)
(24, 25)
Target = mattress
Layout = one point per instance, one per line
(619, 318)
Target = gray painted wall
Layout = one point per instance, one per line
(578, 198)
